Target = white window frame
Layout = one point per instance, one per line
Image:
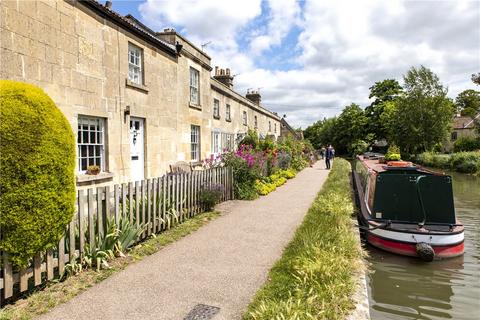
(245, 118)
(216, 108)
(194, 86)
(216, 142)
(90, 129)
(228, 141)
(195, 142)
(228, 115)
(135, 64)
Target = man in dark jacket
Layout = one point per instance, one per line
(328, 156)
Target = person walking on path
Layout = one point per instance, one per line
(328, 156)
(322, 152)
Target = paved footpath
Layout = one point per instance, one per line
(223, 264)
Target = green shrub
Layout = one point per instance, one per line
(425, 158)
(251, 139)
(440, 161)
(466, 144)
(393, 153)
(210, 196)
(466, 162)
(469, 166)
(357, 147)
(37, 159)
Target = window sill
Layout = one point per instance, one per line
(195, 106)
(82, 178)
(228, 120)
(216, 117)
(137, 86)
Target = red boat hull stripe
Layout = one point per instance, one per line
(410, 250)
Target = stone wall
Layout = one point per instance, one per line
(80, 58)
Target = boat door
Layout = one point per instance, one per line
(137, 153)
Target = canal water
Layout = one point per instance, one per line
(407, 288)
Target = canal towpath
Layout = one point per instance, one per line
(222, 264)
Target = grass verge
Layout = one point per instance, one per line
(60, 292)
(316, 276)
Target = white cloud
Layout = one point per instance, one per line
(283, 15)
(216, 20)
(345, 46)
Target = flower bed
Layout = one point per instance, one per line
(260, 166)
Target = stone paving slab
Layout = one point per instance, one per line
(222, 264)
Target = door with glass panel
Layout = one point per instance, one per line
(137, 153)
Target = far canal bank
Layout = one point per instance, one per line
(407, 288)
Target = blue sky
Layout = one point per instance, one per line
(311, 58)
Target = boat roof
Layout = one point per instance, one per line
(372, 161)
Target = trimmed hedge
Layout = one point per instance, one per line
(465, 162)
(37, 161)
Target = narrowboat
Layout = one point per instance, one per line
(406, 209)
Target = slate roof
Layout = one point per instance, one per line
(464, 122)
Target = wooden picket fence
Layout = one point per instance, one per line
(146, 202)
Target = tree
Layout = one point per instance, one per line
(350, 129)
(383, 91)
(476, 78)
(321, 133)
(386, 90)
(421, 118)
(37, 157)
(468, 103)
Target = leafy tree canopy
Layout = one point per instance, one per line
(383, 91)
(468, 103)
(386, 90)
(321, 133)
(422, 117)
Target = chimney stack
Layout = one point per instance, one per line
(108, 4)
(223, 75)
(254, 96)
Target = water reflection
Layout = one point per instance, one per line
(407, 288)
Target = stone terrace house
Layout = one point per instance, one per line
(462, 127)
(138, 100)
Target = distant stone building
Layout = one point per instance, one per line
(286, 129)
(462, 127)
(138, 100)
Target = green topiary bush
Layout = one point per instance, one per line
(37, 163)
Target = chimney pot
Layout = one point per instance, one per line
(108, 4)
(223, 76)
(254, 96)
